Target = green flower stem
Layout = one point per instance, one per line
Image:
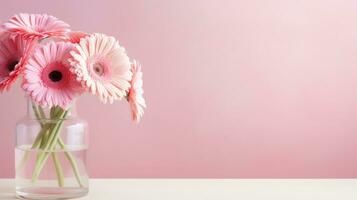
(44, 139)
(50, 145)
(47, 141)
(72, 161)
(39, 115)
(59, 170)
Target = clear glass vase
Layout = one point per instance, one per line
(50, 154)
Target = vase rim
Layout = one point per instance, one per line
(36, 111)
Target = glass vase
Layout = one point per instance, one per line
(50, 154)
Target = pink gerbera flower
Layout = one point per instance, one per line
(102, 66)
(14, 53)
(135, 95)
(76, 36)
(47, 78)
(36, 26)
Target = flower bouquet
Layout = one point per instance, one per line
(57, 65)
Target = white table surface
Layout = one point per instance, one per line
(211, 189)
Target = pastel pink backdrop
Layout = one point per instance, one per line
(240, 88)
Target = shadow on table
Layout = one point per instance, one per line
(7, 193)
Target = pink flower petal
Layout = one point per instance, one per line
(41, 85)
(36, 26)
(101, 64)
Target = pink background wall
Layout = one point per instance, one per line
(240, 88)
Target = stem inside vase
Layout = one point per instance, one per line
(48, 141)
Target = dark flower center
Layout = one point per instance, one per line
(55, 76)
(12, 65)
(98, 69)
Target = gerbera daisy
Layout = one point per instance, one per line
(102, 66)
(135, 95)
(36, 26)
(14, 53)
(47, 78)
(76, 36)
